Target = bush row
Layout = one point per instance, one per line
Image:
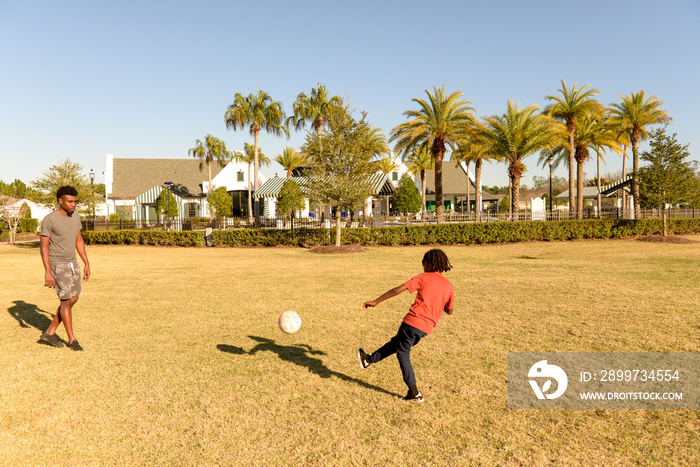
(144, 237)
(445, 234)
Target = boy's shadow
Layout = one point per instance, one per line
(299, 355)
(30, 315)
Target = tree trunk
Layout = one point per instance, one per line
(579, 190)
(515, 202)
(256, 181)
(572, 161)
(665, 216)
(477, 176)
(210, 187)
(600, 207)
(438, 187)
(624, 174)
(469, 201)
(422, 183)
(635, 172)
(337, 226)
(250, 197)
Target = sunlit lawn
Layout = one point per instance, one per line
(184, 364)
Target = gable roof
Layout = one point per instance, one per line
(133, 177)
(454, 182)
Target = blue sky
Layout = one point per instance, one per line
(148, 78)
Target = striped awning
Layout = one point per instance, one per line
(380, 183)
(616, 185)
(150, 196)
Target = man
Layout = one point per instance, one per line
(60, 237)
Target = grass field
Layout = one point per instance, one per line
(184, 364)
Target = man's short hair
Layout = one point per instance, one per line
(66, 190)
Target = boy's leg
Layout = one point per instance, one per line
(410, 336)
(386, 350)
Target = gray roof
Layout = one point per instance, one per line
(589, 192)
(133, 177)
(454, 182)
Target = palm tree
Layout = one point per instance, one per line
(386, 165)
(573, 103)
(314, 109)
(290, 159)
(476, 147)
(374, 142)
(259, 112)
(212, 149)
(632, 117)
(515, 135)
(592, 133)
(596, 134)
(440, 122)
(419, 162)
(248, 156)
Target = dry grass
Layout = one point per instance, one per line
(184, 364)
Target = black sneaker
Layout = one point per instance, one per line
(75, 345)
(51, 339)
(363, 358)
(409, 397)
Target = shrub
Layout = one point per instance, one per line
(443, 234)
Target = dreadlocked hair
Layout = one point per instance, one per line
(437, 261)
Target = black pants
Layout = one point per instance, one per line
(401, 344)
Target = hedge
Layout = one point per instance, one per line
(143, 237)
(443, 234)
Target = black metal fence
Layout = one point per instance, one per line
(398, 220)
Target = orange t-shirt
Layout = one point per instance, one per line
(434, 292)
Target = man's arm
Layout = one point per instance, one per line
(391, 293)
(449, 311)
(80, 246)
(49, 280)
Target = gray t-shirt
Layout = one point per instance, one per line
(63, 231)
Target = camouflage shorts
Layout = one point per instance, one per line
(67, 277)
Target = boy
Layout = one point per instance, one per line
(435, 295)
(60, 237)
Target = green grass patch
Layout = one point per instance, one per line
(184, 364)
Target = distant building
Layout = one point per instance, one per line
(133, 185)
(455, 184)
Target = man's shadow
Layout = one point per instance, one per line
(299, 355)
(30, 315)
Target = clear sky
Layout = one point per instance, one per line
(82, 79)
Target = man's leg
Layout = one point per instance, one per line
(56, 321)
(67, 317)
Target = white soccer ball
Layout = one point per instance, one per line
(289, 322)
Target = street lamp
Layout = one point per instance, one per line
(551, 163)
(92, 187)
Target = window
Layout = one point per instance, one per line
(394, 176)
(240, 177)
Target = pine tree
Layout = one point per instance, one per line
(670, 178)
(407, 198)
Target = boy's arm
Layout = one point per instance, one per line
(448, 310)
(391, 293)
(49, 280)
(80, 246)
